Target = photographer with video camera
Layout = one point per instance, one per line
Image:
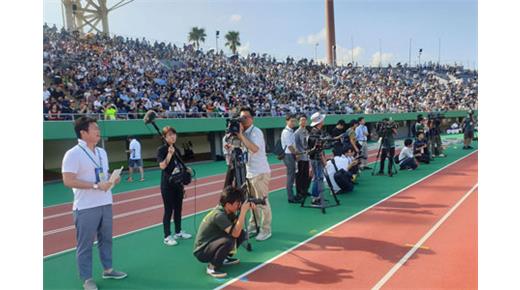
(317, 156)
(258, 172)
(172, 186)
(222, 231)
(386, 131)
(342, 168)
(435, 134)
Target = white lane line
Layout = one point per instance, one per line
(189, 187)
(419, 244)
(69, 212)
(145, 209)
(148, 227)
(338, 224)
(151, 226)
(142, 229)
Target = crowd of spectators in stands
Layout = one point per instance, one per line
(119, 77)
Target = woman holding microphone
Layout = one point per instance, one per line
(172, 192)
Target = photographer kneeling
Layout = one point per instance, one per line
(407, 157)
(341, 169)
(222, 231)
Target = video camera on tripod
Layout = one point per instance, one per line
(318, 143)
(233, 125)
(385, 125)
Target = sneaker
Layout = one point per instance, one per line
(316, 201)
(262, 236)
(130, 179)
(90, 285)
(215, 273)
(114, 275)
(182, 235)
(380, 173)
(441, 155)
(170, 241)
(251, 229)
(230, 261)
(142, 179)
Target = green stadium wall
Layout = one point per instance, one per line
(64, 130)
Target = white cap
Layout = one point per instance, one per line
(317, 118)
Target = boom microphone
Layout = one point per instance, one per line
(149, 117)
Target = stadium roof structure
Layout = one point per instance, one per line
(79, 15)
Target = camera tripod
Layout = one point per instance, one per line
(384, 141)
(239, 180)
(323, 203)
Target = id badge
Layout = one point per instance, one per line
(100, 176)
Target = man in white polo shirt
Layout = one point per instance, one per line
(135, 160)
(85, 170)
(258, 172)
(288, 142)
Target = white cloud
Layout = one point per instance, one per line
(244, 49)
(312, 38)
(344, 55)
(235, 18)
(385, 58)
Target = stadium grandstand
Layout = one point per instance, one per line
(122, 78)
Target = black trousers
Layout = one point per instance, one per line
(302, 178)
(218, 250)
(172, 196)
(387, 153)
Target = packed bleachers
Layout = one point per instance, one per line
(119, 77)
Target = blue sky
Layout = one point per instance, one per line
(292, 27)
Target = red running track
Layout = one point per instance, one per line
(139, 209)
(361, 251)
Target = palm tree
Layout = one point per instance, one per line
(233, 40)
(197, 35)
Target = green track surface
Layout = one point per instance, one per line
(151, 265)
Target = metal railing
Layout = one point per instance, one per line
(171, 115)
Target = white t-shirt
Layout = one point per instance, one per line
(405, 153)
(287, 139)
(78, 162)
(256, 162)
(341, 162)
(135, 150)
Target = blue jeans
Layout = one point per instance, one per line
(317, 179)
(408, 163)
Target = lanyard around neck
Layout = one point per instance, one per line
(92, 159)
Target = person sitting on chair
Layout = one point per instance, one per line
(222, 231)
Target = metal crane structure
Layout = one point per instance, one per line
(86, 16)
